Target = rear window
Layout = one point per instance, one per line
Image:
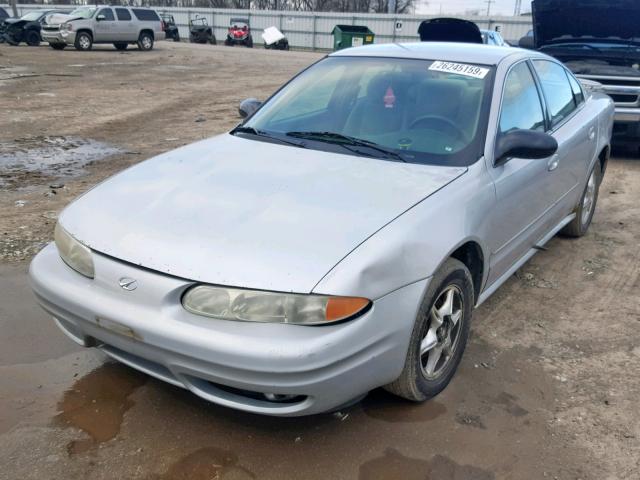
(145, 15)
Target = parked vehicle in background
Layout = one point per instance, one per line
(527, 41)
(239, 33)
(170, 28)
(120, 26)
(274, 39)
(4, 14)
(492, 37)
(341, 237)
(200, 31)
(26, 28)
(600, 43)
(449, 30)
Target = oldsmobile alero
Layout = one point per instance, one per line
(339, 239)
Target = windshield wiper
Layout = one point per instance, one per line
(346, 142)
(262, 133)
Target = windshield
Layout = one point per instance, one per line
(84, 12)
(418, 110)
(31, 16)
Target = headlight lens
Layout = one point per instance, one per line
(271, 307)
(591, 85)
(74, 254)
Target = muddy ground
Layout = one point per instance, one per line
(548, 387)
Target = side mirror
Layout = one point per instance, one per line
(100, 18)
(248, 107)
(528, 144)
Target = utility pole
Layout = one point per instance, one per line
(392, 6)
(489, 2)
(14, 7)
(518, 8)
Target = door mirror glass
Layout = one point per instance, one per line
(248, 107)
(100, 18)
(529, 144)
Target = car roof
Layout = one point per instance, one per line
(449, 51)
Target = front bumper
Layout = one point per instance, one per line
(229, 363)
(56, 36)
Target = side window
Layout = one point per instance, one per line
(108, 14)
(556, 88)
(578, 94)
(143, 14)
(521, 106)
(123, 14)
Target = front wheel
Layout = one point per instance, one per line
(84, 41)
(145, 41)
(249, 42)
(32, 38)
(439, 335)
(212, 39)
(586, 207)
(176, 37)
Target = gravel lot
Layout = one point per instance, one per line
(548, 387)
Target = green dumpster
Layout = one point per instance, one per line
(345, 36)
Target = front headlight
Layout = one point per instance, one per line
(271, 307)
(591, 85)
(74, 254)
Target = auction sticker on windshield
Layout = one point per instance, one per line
(459, 68)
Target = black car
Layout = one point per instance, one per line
(170, 27)
(200, 31)
(449, 30)
(26, 28)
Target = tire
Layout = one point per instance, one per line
(249, 42)
(58, 46)
(212, 39)
(32, 38)
(176, 37)
(586, 206)
(121, 45)
(145, 41)
(84, 41)
(228, 42)
(452, 285)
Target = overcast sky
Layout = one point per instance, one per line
(498, 7)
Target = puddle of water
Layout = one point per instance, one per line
(51, 156)
(394, 465)
(205, 464)
(382, 405)
(96, 404)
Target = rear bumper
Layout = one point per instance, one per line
(229, 363)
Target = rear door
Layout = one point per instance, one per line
(573, 128)
(524, 189)
(126, 26)
(105, 26)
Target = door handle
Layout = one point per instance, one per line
(553, 162)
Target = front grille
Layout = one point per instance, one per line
(626, 82)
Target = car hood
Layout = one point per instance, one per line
(60, 18)
(449, 30)
(240, 212)
(567, 20)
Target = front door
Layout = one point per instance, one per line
(104, 29)
(524, 188)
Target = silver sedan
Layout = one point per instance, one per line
(339, 239)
